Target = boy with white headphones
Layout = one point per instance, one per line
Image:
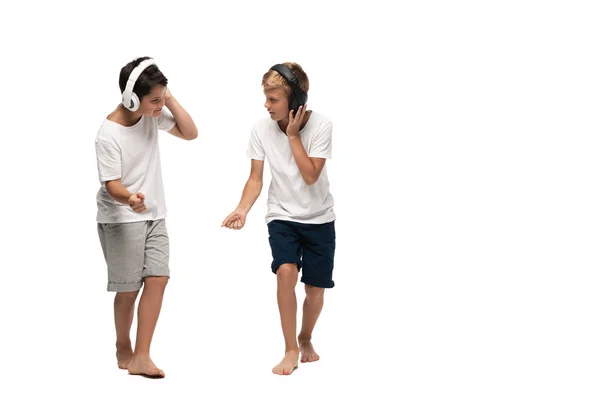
(131, 205)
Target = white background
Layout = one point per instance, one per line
(465, 175)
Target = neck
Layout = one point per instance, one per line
(126, 117)
(283, 124)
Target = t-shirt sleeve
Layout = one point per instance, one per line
(321, 145)
(108, 156)
(166, 121)
(255, 149)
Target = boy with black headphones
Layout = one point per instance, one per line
(131, 205)
(300, 216)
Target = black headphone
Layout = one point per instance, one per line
(298, 96)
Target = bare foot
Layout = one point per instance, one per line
(308, 352)
(288, 364)
(143, 365)
(124, 354)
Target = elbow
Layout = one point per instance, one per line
(310, 180)
(256, 182)
(192, 135)
(109, 187)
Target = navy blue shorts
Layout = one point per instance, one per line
(310, 246)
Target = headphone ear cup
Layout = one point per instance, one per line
(124, 101)
(134, 103)
(302, 99)
(297, 99)
(294, 103)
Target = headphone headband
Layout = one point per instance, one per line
(128, 94)
(286, 73)
(298, 96)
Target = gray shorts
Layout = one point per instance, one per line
(134, 251)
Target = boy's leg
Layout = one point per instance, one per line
(318, 248)
(124, 307)
(287, 277)
(123, 248)
(156, 276)
(148, 312)
(313, 304)
(285, 248)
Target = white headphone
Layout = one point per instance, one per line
(130, 99)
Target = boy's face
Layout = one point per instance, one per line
(276, 103)
(153, 102)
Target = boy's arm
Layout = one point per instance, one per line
(253, 186)
(252, 189)
(310, 167)
(118, 191)
(184, 128)
(121, 194)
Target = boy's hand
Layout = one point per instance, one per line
(235, 220)
(293, 128)
(136, 202)
(168, 95)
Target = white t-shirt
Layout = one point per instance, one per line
(290, 198)
(130, 153)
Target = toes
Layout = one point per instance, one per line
(279, 370)
(157, 373)
(309, 358)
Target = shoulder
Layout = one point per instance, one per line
(320, 122)
(107, 132)
(264, 128)
(165, 120)
(319, 117)
(262, 125)
(107, 142)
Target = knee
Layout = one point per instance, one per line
(126, 297)
(287, 273)
(156, 282)
(314, 293)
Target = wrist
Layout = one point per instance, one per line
(169, 102)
